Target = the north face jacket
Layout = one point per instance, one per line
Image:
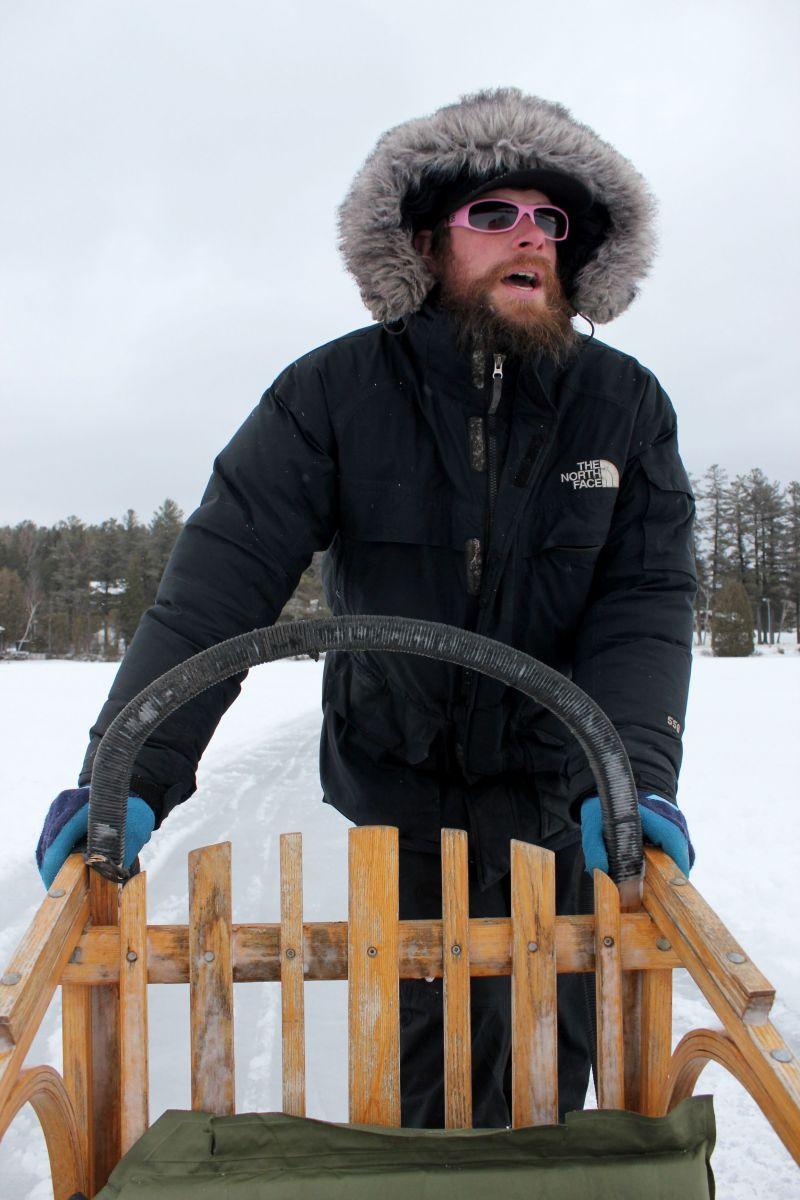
(561, 526)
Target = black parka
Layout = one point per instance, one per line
(377, 448)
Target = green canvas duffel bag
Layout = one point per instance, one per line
(608, 1155)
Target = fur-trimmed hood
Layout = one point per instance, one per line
(493, 131)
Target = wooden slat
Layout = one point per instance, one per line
(373, 994)
(703, 944)
(656, 1040)
(455, 955)
(632, 1039)
(608, 976)
(105, 1047)
(33, 973)
(533, 987)
(292, 1013)
(630, 900)
(134, 1093)
(211, 980)
(76, 1034)
(32, 976)
(256, 950)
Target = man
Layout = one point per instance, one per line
(470, 459)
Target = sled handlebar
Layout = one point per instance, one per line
(606, 755)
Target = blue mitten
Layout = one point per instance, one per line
(663, 824)
(67, 823)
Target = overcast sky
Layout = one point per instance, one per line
(171, 171)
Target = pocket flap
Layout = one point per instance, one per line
(664, 469)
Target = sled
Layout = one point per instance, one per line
(91, 938)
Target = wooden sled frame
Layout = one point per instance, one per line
(92, 938)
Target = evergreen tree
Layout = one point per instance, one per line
(732, 623)
(165, 525)
(763, 511)
(13, 607)
(736, 520)
(72, 574)
(714, 536)
(138, 594)
(107, 567)
(791, 552)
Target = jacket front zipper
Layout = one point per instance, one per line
(497, 390)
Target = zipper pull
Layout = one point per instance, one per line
(497, 383)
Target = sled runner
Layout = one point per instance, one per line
(91, 938)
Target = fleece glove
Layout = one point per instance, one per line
(67, 823)
(663, 824)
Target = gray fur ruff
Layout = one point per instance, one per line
(494, 130)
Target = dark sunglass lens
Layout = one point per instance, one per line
(490, 215)
(552, 223)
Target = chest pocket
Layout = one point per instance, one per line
(573, 529)
(389, 511)
(670, 511)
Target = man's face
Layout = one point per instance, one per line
(493, 256)
(474, 269)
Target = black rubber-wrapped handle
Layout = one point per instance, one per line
(117, 752)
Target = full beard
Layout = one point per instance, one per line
(523, 327)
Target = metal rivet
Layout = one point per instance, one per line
(290, 953)
(781, 1055)
(372, 951)
(533, 947)
(56, 893)
(679, 880)
(131, 956)
(663, 944)
(10, 979)
(608, 941)
(735, 957)
(209, 956)
(456, 950)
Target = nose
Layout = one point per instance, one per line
(528, 233)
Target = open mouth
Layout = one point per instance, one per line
(523, 281)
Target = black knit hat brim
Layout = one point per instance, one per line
(437, 198)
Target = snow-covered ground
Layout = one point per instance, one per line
(258, 778)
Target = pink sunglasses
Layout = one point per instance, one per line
(499, 216)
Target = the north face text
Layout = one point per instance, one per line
(592, 473)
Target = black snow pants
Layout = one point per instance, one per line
(421, 1019)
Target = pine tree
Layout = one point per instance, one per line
(107, 566)
(13, 609)
(71, 578)
(138, 590)
(790, 556)
(736, 522)
(138, 595)
(165, 525)
(714, 536)
(732, 623)
(763, 521)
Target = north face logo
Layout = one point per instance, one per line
(592, 473)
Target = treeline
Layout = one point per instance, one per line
(747, 533)
(77, 590)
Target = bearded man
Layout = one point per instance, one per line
(471, 459)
